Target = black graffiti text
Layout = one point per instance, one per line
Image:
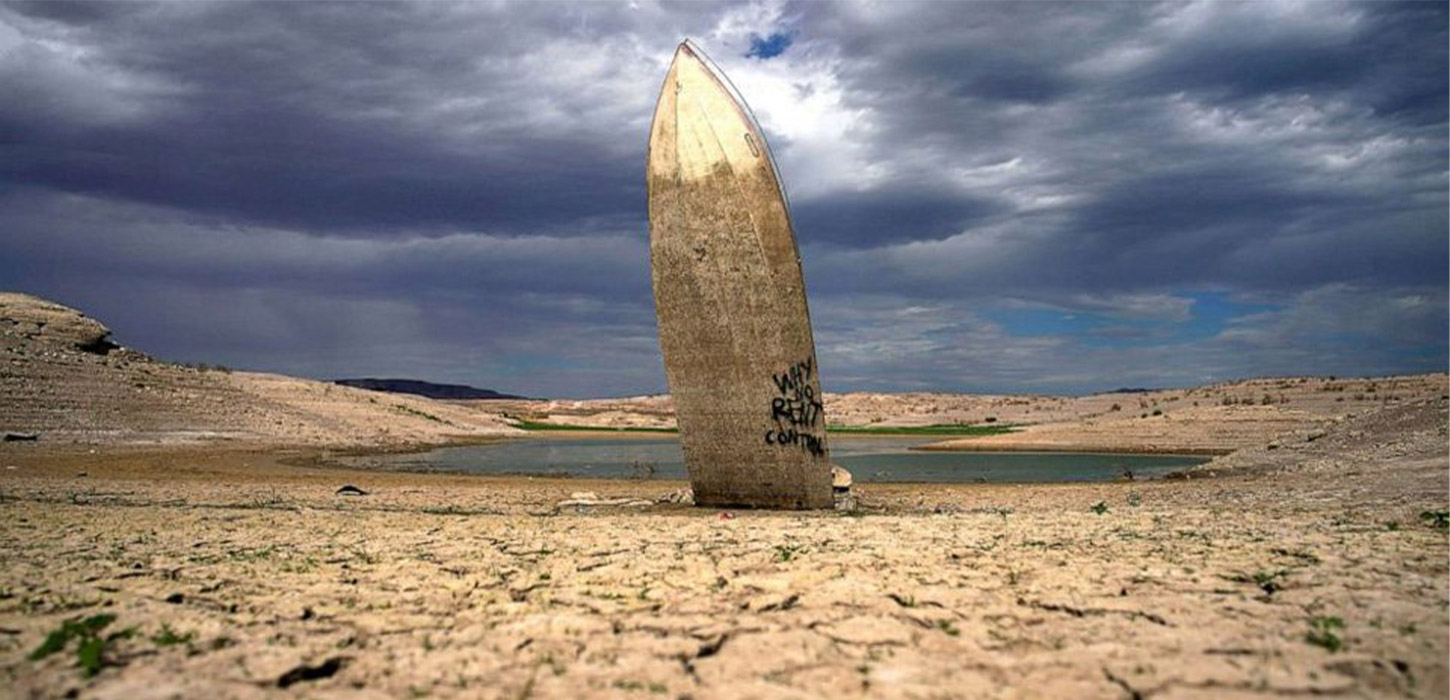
(797, 411)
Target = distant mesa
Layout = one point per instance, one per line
(43, 321)
(428, 389)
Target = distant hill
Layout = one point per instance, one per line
(428, 389)
(63, 381)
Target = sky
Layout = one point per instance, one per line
(992, 197)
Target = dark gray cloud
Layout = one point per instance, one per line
(889, 215)
(1043, 196)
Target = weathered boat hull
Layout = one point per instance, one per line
(734, 325)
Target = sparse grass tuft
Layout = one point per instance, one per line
(91, 649)
(168, 637)
(1438, 519)
(786, 552)
(1267, 581)
(1101, 507)
(1321, 633)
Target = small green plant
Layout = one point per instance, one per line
(786, 552)
(91, 649)
(948, 627)
(168, 637)
(1438, 519)
(1321, 633)
(1101, 507)
(1268, 581)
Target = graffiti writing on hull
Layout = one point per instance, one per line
(797, 411)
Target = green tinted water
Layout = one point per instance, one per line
(870, 459)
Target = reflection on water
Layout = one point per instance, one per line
(870, 459)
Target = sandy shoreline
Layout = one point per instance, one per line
(241, 572)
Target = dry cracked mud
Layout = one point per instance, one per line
(1315, 568)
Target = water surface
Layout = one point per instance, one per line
(870, 459)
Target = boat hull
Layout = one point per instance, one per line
(733, 320)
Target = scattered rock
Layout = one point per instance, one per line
(21, 437)
(772, 602)
(683, 496)
(350, 490)
(841, 488)
(176, 598)
(303, 672)
(596, 501)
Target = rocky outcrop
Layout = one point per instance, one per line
(37, 320)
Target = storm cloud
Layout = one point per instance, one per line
(988, 196)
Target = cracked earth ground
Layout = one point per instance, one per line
(1314, 568)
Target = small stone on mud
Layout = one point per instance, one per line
(176, 598)
(304, 672)
(682, 496)
(350, 490)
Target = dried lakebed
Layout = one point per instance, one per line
(1318, 567)
(870, 460)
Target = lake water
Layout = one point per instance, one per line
(870, 459)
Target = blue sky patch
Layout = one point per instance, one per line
(769, 47)
(1211, 312)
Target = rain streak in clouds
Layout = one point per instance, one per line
(1025, 197)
